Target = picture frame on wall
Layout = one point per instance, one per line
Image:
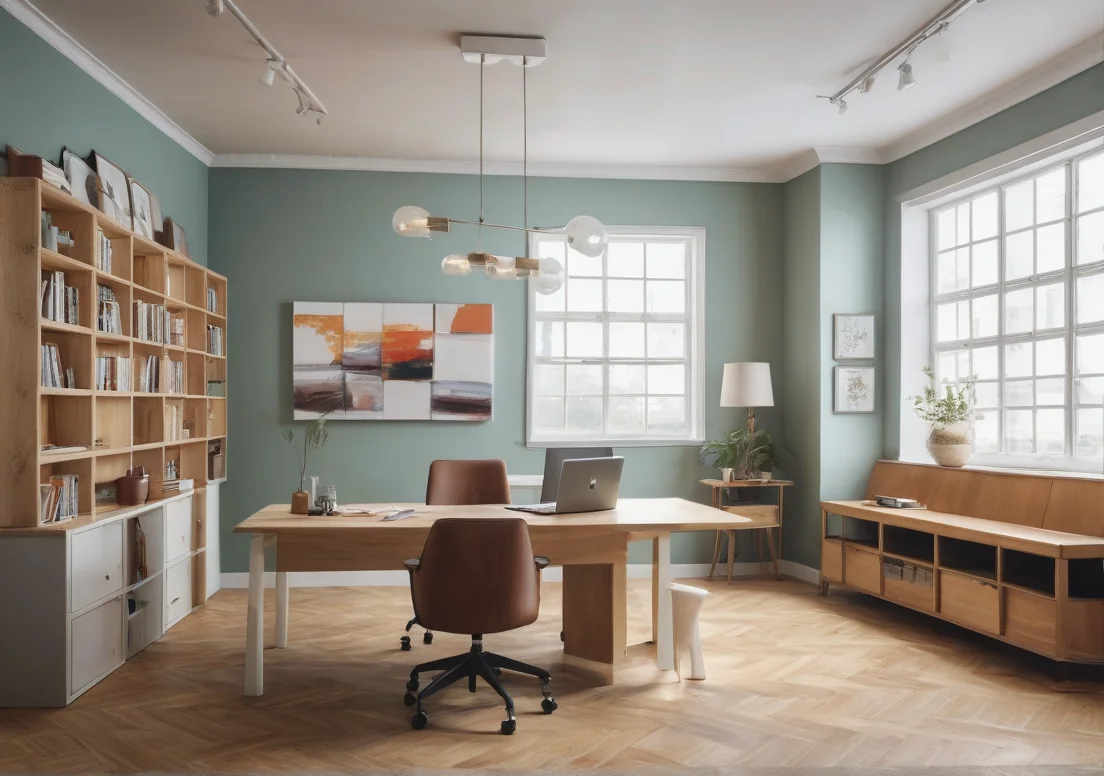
(854, 390)
(81, 177)
(112, 190)
(853, 336)
(172, 236)
(141, 208)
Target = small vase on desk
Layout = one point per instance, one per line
(300, 502)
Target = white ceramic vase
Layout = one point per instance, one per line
(951, 445)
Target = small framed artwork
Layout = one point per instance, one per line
(173, 237)
(112, 191)
(81, 177)
(141, 208)
(853, 336)
(854, 389)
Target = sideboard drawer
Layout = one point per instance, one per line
(862, 568)
(95, 643)
(96, 564)
(831, 560)
(1030, 621)
(970, 601)
(178, 591)
(178, 529)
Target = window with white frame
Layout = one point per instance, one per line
(1018, 307)
(615, 355)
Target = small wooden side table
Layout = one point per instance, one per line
(768, 524)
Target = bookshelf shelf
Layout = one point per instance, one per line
(56, 261)
(65, 391)
(103, 335)
(68, 328)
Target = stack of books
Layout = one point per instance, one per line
(173, 377)
(212, 301)
(59, 301)
(149, 374)
(172, 422)
(103, 257)
(59, 498)
(110, 319)
(150, 321)
(112, 373)
(214, 340)
(176, 331)
(53, 374)
(177, 486)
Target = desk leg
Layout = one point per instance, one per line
(281, 609)
(594, 617)
(778, 544)
(665, 640)
(254, 624)
(731, 552)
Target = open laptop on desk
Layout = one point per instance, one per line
(586, 485)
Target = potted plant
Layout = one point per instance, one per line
(950, 414)
(739, 454)
(314, 437)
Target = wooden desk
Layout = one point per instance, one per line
(769, 520)
(592, 547)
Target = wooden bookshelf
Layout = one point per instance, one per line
(119, 428)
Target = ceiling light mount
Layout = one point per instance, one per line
(492, 49)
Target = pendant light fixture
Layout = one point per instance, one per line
(584, 234)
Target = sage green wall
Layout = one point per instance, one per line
(48, 102)
(1073, 99)
(287, 235)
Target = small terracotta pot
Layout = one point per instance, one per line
(300, 502)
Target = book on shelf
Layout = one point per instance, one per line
(216, 388)
(176, 331)
(53, 374)
(59, 499)
(212, 301)
(58, 449)
(149, 374)
(59, 302)
(178, 486)
(112, 373)
(214, 340)
(103, 256)
(172, 422)
(172, 376)
(109, 319)
(151, 322)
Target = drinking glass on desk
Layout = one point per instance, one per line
(327, 499)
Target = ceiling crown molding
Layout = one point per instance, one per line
(46, 29)
(814, 157)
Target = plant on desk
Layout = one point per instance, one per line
(316, 436)
(951, 415)
(740, 453)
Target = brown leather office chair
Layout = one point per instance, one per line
(459, 483)
(476, 576)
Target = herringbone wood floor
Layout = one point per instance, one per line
(794, 679)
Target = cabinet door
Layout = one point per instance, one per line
(178, 529)
(96, 643)
(213, 566)
(178, 591)
(96, 564)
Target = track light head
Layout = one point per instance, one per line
(318, 120)
(215, 7)
(867, 84)
(840, 104)
(269, 74)
(905, 78)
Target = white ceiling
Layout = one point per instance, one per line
(634, 83)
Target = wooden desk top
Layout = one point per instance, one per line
(747, 483)
(1053, 544)
(632, 515)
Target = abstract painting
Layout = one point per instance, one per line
(853, 336)
(393, 361)
(854, 389)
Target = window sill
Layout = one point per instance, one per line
(544, 444)
(1052, 473)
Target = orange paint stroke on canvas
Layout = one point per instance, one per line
(473, 319)
(404, 342)
(356, 338)
(331, 327)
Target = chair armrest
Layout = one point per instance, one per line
(412, 564)
(541, 561)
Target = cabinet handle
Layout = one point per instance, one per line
(107, 577)
(174, 600)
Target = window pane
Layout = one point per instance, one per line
(579, 265)
(1018, 431)
(1019, 311)
(667, 378)
(1090, 238)
(666, 415)
(626, 414)
(666, 296)
(552, 303)
(988, 395)
(584, 380)
(985, 363)
(1018, 206)
(550, 339)
(985, 216)
(1019, 393)
(1090, 390)
(625, 259)
(1017, 360)
(1050, 392)
(584, 296)
(948, 367)
(551, 249)
(548, 380)
(946, 278)
(946, 229)
(584, 415)
(1090, 434)
(1050, 432)
(1019, 256)
(1090, 183)
(985, 316)
(963, 218)
(1090, 354)
(625, 296)
(953, 321)
(1090, 299)
(626, 340)
(1050, 309)
(548, 414)
(985, 264)
(666, 260)
(626, 378)
(1050, 196)
(986, 432)
(1050, 248)
(1050, 357)
(666, 340)
(584, 340)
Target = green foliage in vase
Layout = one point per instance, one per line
(743, 450)
(315, 437)
(954, 405)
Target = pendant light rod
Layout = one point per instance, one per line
(482, 63)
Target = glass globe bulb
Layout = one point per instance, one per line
(456, 264)
(501, 268)
(586, 235)
(411, 221)
(550, 278)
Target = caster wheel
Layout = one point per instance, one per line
(497, 671)
(404, 643)
(419, 720)
(409, 700)
(508, 726)
(412, 685)
(824, 588)
(427, 638)
(561, 636)
(548, 705)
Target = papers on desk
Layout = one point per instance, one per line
(384, 513)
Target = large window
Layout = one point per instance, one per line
(615, 355)
(1018, 307)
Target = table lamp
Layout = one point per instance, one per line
(747, 384)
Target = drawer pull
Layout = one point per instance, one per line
(174, 600)
(107, 577)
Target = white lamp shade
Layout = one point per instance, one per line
(747, 384)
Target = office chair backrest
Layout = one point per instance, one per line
(477, 575)
(468, 482)
(553, 465)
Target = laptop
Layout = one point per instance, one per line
(586, 485)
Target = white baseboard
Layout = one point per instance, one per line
(240, 579)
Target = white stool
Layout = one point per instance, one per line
(686, 603)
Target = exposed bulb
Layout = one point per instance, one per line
(269, 74)
(550, 278)
(456, 264)
(501, 268)
(586, 235)
(411, 221)
(905, 79)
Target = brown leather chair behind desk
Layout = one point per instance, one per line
(460, 483)
(476, 577)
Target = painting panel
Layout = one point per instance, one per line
(318, 383)
(461, 400)
(463, 358)
(406, 399)
(465, 319)
(853, 337)
(362, 345)
(407, 342)
(854, 389)
(363, 396)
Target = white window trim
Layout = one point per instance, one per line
(695, 352)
